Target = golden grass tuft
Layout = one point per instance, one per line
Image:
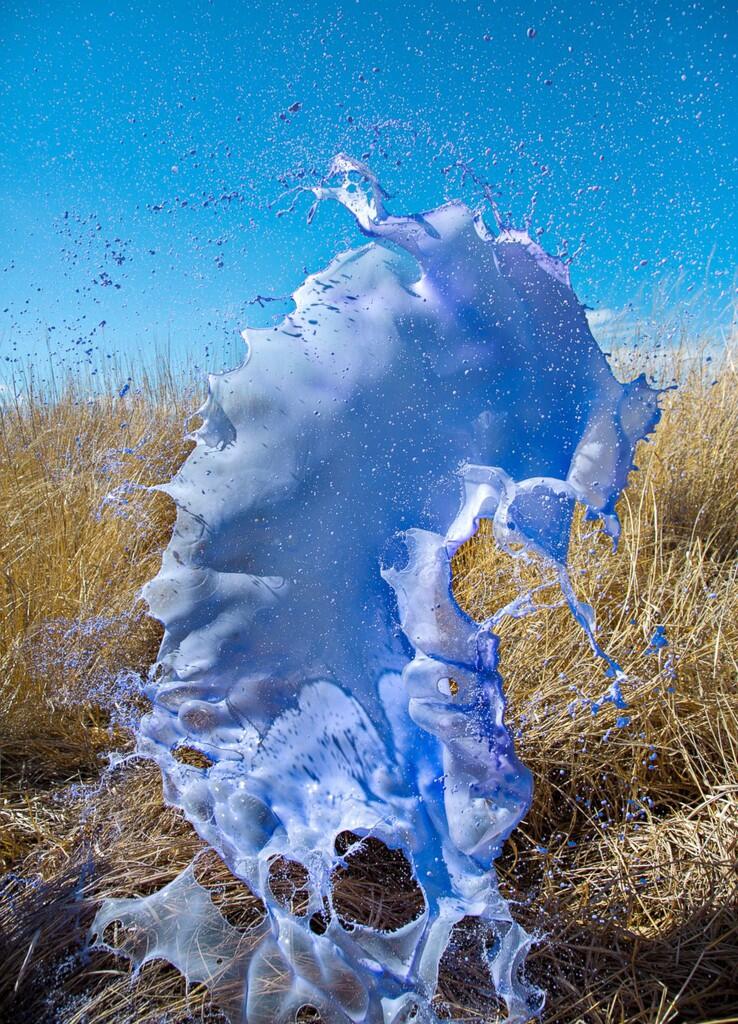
(626, 863)
(79, 536)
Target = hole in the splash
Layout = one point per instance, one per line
(448, 687)
(485, 578)
(235, 901)
(375, 886)
(463, 972)
(319, 923)
(308, 1014)
(112, 933)
(159, 968)
(192, 756)
(171, 986)
(288, 882)
(344, 841)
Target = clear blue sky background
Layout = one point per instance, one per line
(142, 148)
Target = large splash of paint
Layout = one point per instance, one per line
(436, 376)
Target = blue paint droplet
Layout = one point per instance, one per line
(658, 641)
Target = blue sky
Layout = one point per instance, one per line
(143, 148)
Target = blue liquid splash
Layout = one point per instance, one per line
(434, 377)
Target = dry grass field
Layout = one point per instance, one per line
(626, 865)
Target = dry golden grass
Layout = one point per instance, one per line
(79, 536)
(626, 863)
